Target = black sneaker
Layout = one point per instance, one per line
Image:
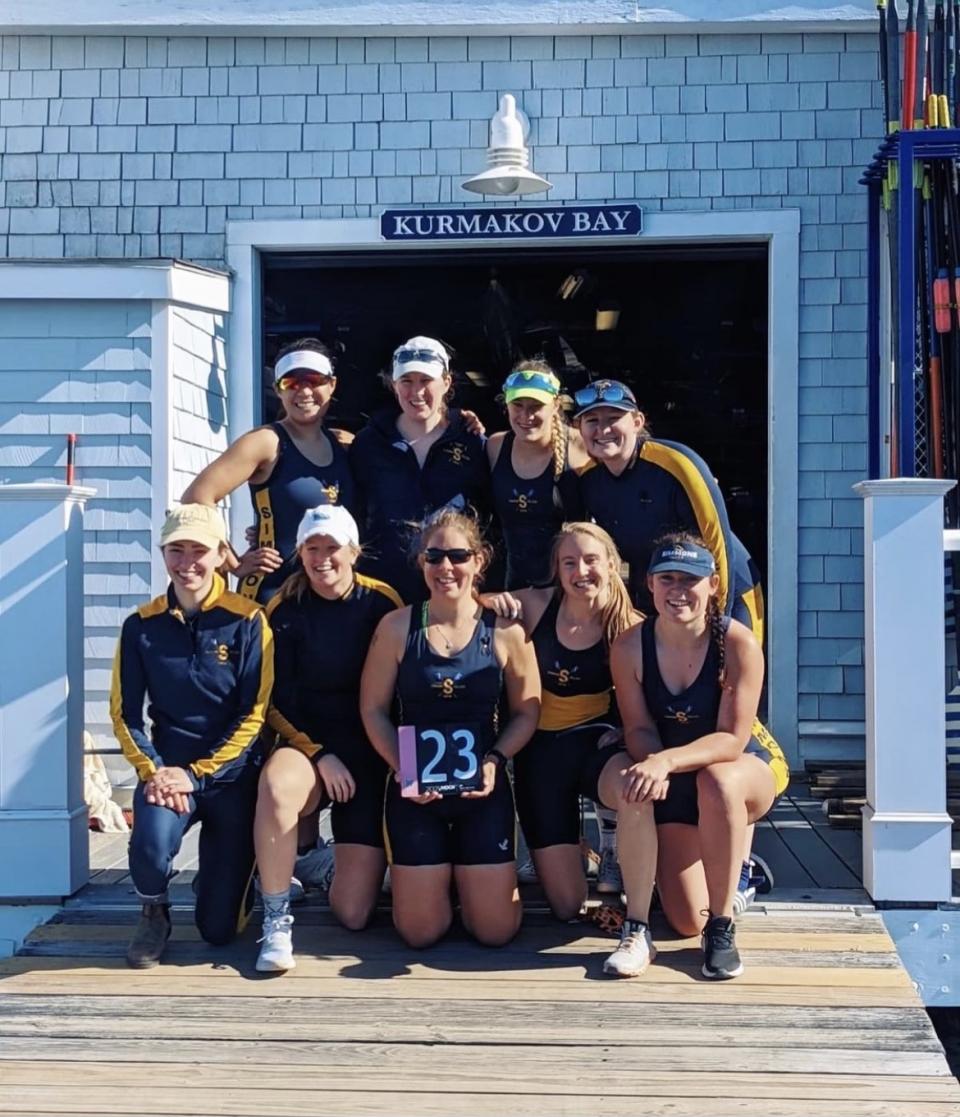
(720, 956)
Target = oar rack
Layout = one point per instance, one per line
(894, 164)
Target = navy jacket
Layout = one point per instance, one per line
(397, 493)
(206, 678)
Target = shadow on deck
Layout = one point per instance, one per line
(824, 1020)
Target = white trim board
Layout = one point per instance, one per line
(155, 280)
(779, 229)
(432, 17)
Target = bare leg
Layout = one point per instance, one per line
(357, 879)
(289, 787)
(730, 795)
(489, 901)
(636, 838)
(680, 878)
(560, 871)
(421, 902)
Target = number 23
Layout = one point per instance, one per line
(468, 752)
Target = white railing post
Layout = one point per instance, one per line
(43, 817)
(906, 830)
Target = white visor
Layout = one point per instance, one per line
(328, 519)
(307, 359)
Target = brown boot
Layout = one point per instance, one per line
(150, 938)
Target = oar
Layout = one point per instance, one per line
(909, 66)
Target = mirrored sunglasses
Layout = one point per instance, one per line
(404, 356)
(299, 379)
(525, 379)
(457, 555)
(604, 391)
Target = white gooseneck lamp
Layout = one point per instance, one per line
(508, 172)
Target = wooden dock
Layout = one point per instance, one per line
(824, 1021)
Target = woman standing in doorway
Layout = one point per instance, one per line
(447, 664)
(527, 463)
(408, 465)
(688, 686)
(290, 465)
(323, 620)
(638, 488)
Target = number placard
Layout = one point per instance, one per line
(444, 758)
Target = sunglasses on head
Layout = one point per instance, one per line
(524, 378)
(604, 391)
(298, 379)
(457, 555)
(405, 356)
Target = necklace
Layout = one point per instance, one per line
(448, 644)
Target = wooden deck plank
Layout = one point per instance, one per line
(818, 858)
(436, 966)
(105, 1019)
(335, 941)
(551, 1069)
(824, 1022)
(846, 844)
(377, 1098)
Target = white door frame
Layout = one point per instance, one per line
(779, 229)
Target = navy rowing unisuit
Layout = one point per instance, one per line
(294, 485)
(530, 511)
(691, 714)
(438, 690)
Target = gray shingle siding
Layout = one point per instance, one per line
(84, 368)
(145, 146)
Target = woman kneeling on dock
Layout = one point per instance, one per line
(688, 684)
(444, 665)
(203, 659)
(576, 750)
(323, 620)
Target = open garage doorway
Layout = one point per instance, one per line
(686, 327)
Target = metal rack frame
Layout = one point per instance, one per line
(904, 148)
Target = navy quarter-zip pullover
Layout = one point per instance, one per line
(396, 492)
(206, 678)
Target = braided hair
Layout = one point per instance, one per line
(559, 430)
(716, 621)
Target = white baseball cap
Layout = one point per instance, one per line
(421, 354)
(329, 519)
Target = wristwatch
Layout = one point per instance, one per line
(497, 757)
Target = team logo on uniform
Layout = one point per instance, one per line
(683, 715)
(457, 453)
(222, 652)
(523, 501)
(564, 675)
(447, 685)
(332, 492)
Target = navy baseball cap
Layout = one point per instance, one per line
(683, 557)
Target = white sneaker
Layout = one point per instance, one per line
(276, 954)
(635, 952)
(527, 872)
(608, 875)
(315, 868)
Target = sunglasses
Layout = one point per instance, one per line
(525, 379)
(604, 391)
(298, 379)
(404, 356)
(457, 555)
